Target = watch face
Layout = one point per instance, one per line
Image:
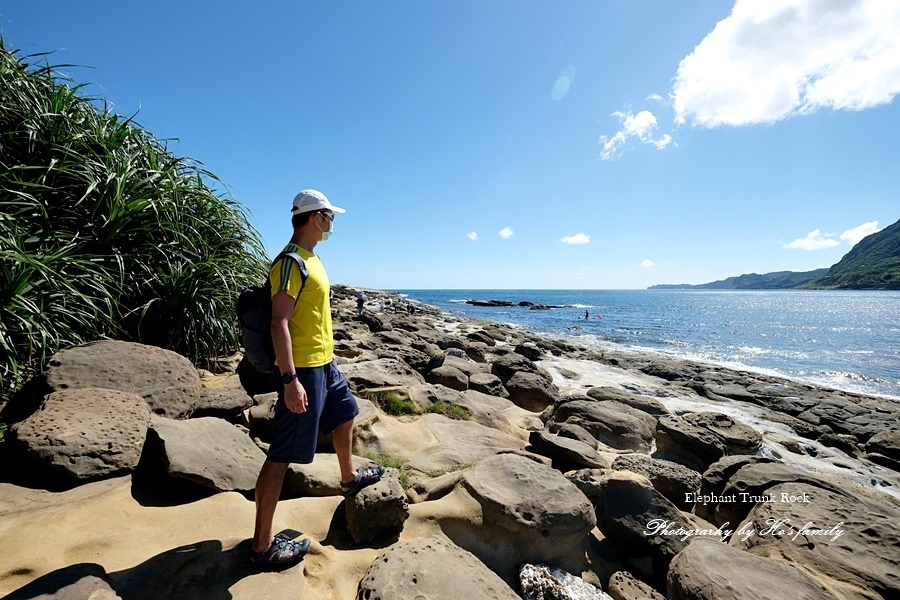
(286, 378)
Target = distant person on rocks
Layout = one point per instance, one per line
(360, 303)
(313, 395)
(381, 305)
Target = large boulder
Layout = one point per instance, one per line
(508, 365)
(531, 391)
(85, 433)
(749, 486)
(567, 454)
(886, 443)
(640, 523)
(697, 440)
(384, 372)
(846, 539)
(644, 403)
(488, 383)
(530, 513)
(378, 511)
(710, 570)
(321, 477)
(676, 482)
(223, 403)
(448, 376)
(167, 381)
(430, 569)
(208, 452)
(611, 427)
(625, 586)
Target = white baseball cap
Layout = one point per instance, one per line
(310, 200)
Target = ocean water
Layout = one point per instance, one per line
(848, 340)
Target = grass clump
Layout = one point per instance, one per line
(392, 403)
(450, 410)
(390, 462)
(104, 233)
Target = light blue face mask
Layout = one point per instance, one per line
(327, 234)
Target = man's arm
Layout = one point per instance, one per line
(282, 307)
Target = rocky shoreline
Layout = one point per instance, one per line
(519, 466)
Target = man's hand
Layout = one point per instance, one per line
(295, 397)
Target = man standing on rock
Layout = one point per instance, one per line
(313, 395)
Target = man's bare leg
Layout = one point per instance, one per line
(342, 438)
(268, 490)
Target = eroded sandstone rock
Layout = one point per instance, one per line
(84, 433)
(430, 569)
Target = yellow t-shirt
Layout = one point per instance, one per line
(312, 341)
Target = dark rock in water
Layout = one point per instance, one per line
(430, 569)
(710, 570)
(489, 302)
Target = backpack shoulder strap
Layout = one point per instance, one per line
(304, 272)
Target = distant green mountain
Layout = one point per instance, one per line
(778, 280)
(872, 264)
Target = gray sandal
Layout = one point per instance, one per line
(364, 478)
(282, 550)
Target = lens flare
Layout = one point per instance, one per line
(563, 83)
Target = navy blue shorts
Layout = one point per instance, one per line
(329, 404)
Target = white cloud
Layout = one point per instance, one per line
(641, 126)
(814, 240)
(506, 233)
(577, 239)
(472, 236)
(773, 59)
(647, 263)
(853, 236)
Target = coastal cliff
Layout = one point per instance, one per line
(872, 264)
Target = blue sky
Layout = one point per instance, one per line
(517, 143)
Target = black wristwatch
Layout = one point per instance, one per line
(286, 378)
